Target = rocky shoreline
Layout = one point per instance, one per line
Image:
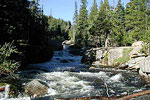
(120, 57)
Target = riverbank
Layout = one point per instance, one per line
(130, 58)
(67, 77)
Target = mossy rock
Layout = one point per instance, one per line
(124, 58)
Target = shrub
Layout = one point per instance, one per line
(145, 49)
(7, 65)
(125, 57)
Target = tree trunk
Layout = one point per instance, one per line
(106, 39)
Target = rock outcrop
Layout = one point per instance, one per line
(128, 57)
(36, 88)
(104, 56)
(89, 57)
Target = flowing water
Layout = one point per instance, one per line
(68, 78)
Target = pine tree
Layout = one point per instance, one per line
(102, 25)
(93, 13)
(118, 23)
(135, 20)
(95, 29)
(73, 30)
(75, 17)
(82, 36)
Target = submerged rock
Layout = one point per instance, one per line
(64, 61)
(36, 88)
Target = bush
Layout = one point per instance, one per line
(7, 65)
(125, 57)
(145, 49)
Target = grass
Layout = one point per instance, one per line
(125, 57)
(106, 59)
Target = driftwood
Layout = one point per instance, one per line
(134, 95)
(123, 67)
(110, 98)
(89, 98)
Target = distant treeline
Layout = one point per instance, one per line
(111, 26)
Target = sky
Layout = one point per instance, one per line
(64, 9)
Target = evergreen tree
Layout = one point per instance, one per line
(118, 22)
(82, 34)
(102, 25)
(73, 30)
(75, 17)
(135, 20)
(93, 12)
(95, 29)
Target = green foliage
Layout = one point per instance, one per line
(135, 19)
(75, 17)
(118, 23)
(82, 25)
(101, 27)
(93, 12)
(8, 66)
(125, 57)
(145, 49)
(58, 29)
(106, 59)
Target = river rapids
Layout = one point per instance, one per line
(66, 77)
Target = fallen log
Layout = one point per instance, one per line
(123, 67)
(134, 95)
(110, 98)
(89, 98)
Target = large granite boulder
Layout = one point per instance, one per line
(137, 46)
(114, 54)
(36, 88)
(144, 70)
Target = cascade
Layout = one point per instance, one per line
(66, 77)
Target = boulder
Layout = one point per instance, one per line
(75, 52)
(36, 88)
(137, 44)
(114, 54)
(145, 65)
(64, 61)
(89, 56)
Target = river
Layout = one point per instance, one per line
(68, 78)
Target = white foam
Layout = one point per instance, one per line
(21, 98)
(66, 82)
(116, 78)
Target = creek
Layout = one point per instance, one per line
(68, 78)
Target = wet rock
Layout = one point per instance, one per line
(89, 57)
(64, 61)
(36, 88)
(75, 52)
